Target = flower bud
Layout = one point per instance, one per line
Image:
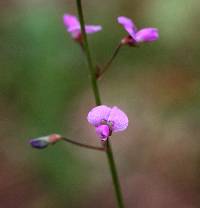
(43, 142)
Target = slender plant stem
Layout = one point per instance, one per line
(114, 174)
(83, 145)
(107, 65)
(88, 55)
(98, 102)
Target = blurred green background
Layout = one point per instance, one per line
(45, 88)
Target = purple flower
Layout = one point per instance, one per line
(43, 142)
(38, 143)
(107, 120)
(135, 37)
(73, 26)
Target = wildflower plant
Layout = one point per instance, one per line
(106, 120)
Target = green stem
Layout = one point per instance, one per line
(115, 179)
(98, 102)
(88, 55)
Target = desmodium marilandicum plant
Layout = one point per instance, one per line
(106, 120)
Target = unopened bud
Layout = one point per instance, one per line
(43, 142)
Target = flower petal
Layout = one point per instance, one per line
(147, 35)
(70, 21)
(103, 132)
(126, 22)
(119, 119)
(73, 26)
(92, 28)
(75, 32)
(98, 114)
(40, 143)
(128, 25)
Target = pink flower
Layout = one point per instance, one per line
(73, 26)
(135, 37)
(107, 120)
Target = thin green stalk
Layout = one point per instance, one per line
(113, 170)
(88, 55)
(98, 102)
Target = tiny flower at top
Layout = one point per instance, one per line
(135, 36)
(73, 27)
(107, 120)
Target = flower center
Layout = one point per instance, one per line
(110, 124)
(104, 122)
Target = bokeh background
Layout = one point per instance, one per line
(45, 88)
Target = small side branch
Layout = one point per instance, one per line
(83, 145)
(108, 64)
